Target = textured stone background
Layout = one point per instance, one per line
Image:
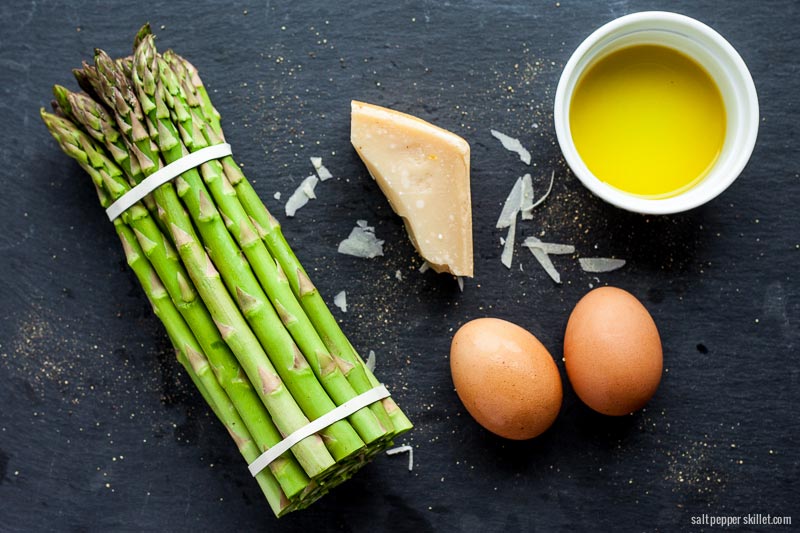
(99, 430)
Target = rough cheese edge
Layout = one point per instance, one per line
(415, 123)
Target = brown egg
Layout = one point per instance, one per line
(612, 352)
(506, 378)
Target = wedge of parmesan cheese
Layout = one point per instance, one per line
(424, 172)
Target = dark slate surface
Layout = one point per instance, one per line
(99, 430)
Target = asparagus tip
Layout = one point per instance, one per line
(62, 105)
(143, 32)
(60, 92)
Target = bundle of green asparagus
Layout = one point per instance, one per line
(248, 325)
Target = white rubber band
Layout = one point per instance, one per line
(163, 175)
(343, 411)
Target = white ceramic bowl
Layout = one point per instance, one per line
(710, 50)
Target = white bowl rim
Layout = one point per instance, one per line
(680, 202)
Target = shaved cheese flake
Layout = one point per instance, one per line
(600, 264)
(424, 267)
(362, 242)
(340, 301)
(404, 449)
(511, 207)
(370, 364)
(460, 281)
(549, 247)
(526, 205)
(301, 195)
(544, 260)
(398, 275)
(513, 145)
(508, 250)
(277, 195)
(323, 173)
(547, 193)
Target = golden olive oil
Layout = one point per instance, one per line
(648, 120)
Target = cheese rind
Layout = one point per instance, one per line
(424, 172)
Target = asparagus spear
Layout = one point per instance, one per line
(292, 367)
(322, 319)
(188, 115)
(172, 274)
